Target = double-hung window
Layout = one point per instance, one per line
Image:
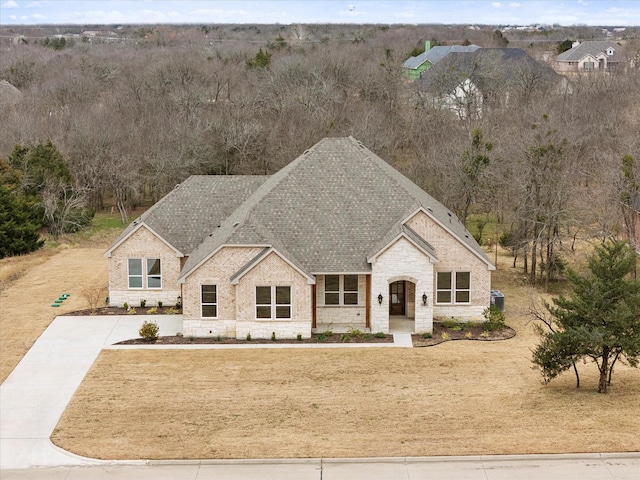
(140, 268)
(209, 301)
(154, 275)
(135, 272)
(453, 287)
(273, 302)
(341, 290)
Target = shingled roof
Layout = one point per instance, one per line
(9, 95)
(593, 48)
(435, 54)
(328, 210)
(190, 212)
(487, 68)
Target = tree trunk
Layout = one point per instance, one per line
(604, 370)
(611, 368)
(575, 369)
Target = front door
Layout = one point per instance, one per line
(396, 295)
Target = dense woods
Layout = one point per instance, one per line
(135, 115)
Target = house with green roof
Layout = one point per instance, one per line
(337, 239)
(414, 67)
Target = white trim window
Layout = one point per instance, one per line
(209, 301)
(341, 290)
(152, 272)
(134, 272)
(453, 287)
(273, 302)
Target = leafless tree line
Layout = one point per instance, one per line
(135, 120)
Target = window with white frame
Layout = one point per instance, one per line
(273, 302)
(453, 287)
(588, 66)
(154, 275)
(136, 273)
(341, 290)
(209, 301)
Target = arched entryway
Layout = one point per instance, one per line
(402, 306)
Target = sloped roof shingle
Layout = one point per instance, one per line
(327, 210)
(593, 48)
(435, 54)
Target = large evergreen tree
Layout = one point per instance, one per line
(598, 320)
(45, 179)
(18, 231)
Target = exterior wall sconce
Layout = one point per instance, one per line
(424, 299)
(179, 302)
(380, 299)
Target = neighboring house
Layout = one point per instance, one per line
(337, 239)
(9, 95)
(414, 67)
(592, 56)
(468, 83)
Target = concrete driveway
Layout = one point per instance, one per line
(35, 394)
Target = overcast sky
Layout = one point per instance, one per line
(519, 12)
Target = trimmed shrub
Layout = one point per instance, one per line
(149, 331)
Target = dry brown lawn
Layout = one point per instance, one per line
(28, 286)
(458, 398)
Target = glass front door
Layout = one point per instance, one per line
(397, 294)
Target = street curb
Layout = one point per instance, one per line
(398, 460)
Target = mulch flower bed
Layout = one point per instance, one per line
(124, 311)
(315, 338)
(461, 332)
(440, 333)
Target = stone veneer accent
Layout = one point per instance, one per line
(401, 261)
(349, 316)
(143, 244)
(453, 256)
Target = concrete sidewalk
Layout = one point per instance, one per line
(525, 467)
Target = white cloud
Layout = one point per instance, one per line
(515, 4)
(13, 17)
(34, 4)
(496, 4)
(10, 4)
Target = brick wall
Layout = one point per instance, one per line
(453, 256)
(215, 271)
(274, 271)
(143, 244)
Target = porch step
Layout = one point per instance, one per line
(402, 340)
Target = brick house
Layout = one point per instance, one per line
(591, 56)
(337, 239)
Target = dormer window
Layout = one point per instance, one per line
(610, 51)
